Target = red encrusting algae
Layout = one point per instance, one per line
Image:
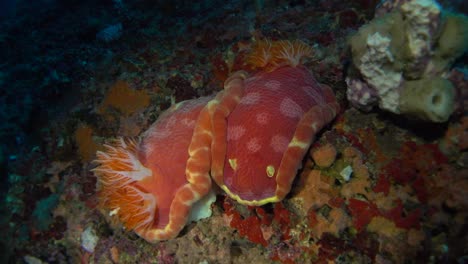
(414, 164)
(249, 227)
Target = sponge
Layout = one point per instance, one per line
(429, 99)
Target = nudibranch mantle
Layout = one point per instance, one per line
(152, 182)
(262, 129)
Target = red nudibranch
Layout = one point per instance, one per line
(152, 182)
(251, 137)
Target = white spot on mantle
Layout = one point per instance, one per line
(253, 145)
(235, 132)
(290, 108)
(279, 143)
(273, 85)
(250, 99)
(262, 118)
(190, 123)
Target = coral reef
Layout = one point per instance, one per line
(401, 58)
(393, 193)
(324, 156)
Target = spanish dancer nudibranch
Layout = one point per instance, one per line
(264, 125)
(151, 183)
(251, 137)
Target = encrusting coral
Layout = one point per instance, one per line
(324, 156)
(86, 146)
(124, 99)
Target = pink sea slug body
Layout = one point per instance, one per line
(151, 183)
(265, 124)
(251, 138)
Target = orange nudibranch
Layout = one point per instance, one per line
(251, 137)
(151, 183)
